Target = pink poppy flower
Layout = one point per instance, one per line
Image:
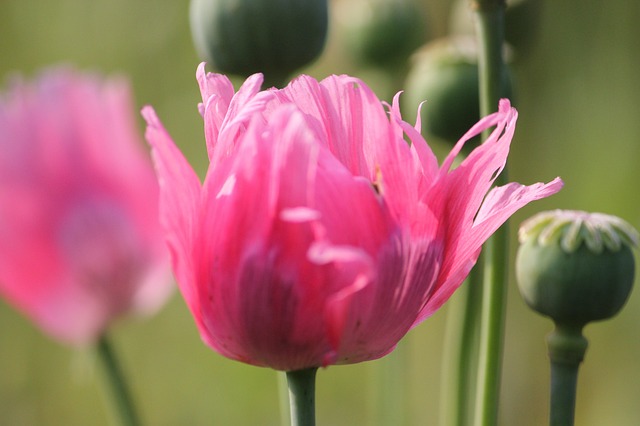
(320, 236)
(80, 240)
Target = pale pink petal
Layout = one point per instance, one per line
(217, 92)
(212, 84)
(348, 115)
(502, 202)
(423, 152)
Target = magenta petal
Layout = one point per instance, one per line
(179, 200)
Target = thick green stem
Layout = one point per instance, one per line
(120, 394)
(460, 352)
(302, 396)
(489, 16)
(567, 347)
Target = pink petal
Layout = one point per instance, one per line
(217, 92)
(502, 202)
(458, 195)
(179, 201)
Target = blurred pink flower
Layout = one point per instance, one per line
(80, 240)
(320, 236)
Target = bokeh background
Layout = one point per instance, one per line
(578, 94)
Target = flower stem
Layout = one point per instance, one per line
(118, 387)
(567, 347)
(460, 352)
(489, 16)
(302, 396)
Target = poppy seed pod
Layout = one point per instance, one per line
(576, 267)
(444, 75)
(273, 37)
(384, 33)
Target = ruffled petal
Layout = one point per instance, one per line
(502, 202)
(458, 195)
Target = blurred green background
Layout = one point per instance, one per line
(579, 99)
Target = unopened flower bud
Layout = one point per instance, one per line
(273, 37)
(576, 267)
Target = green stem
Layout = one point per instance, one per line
(491, 330)
(460, 352)
(567, 347)
(117, 384)
(302, 396)
(489, 15)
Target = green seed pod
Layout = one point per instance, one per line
(384, 33)
(274, 37)
(444, 74)
(576, 267)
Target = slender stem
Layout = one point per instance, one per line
(489, 15)
(567, 347)
(302, 396)
(460, 352)
(489, 18)
(120, 394)
(491, 331)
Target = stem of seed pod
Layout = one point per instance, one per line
(567, 347)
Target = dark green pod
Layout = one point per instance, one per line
(574, 288)
(274, 37)
(575, 267)
(445, 76)
(384, 33)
